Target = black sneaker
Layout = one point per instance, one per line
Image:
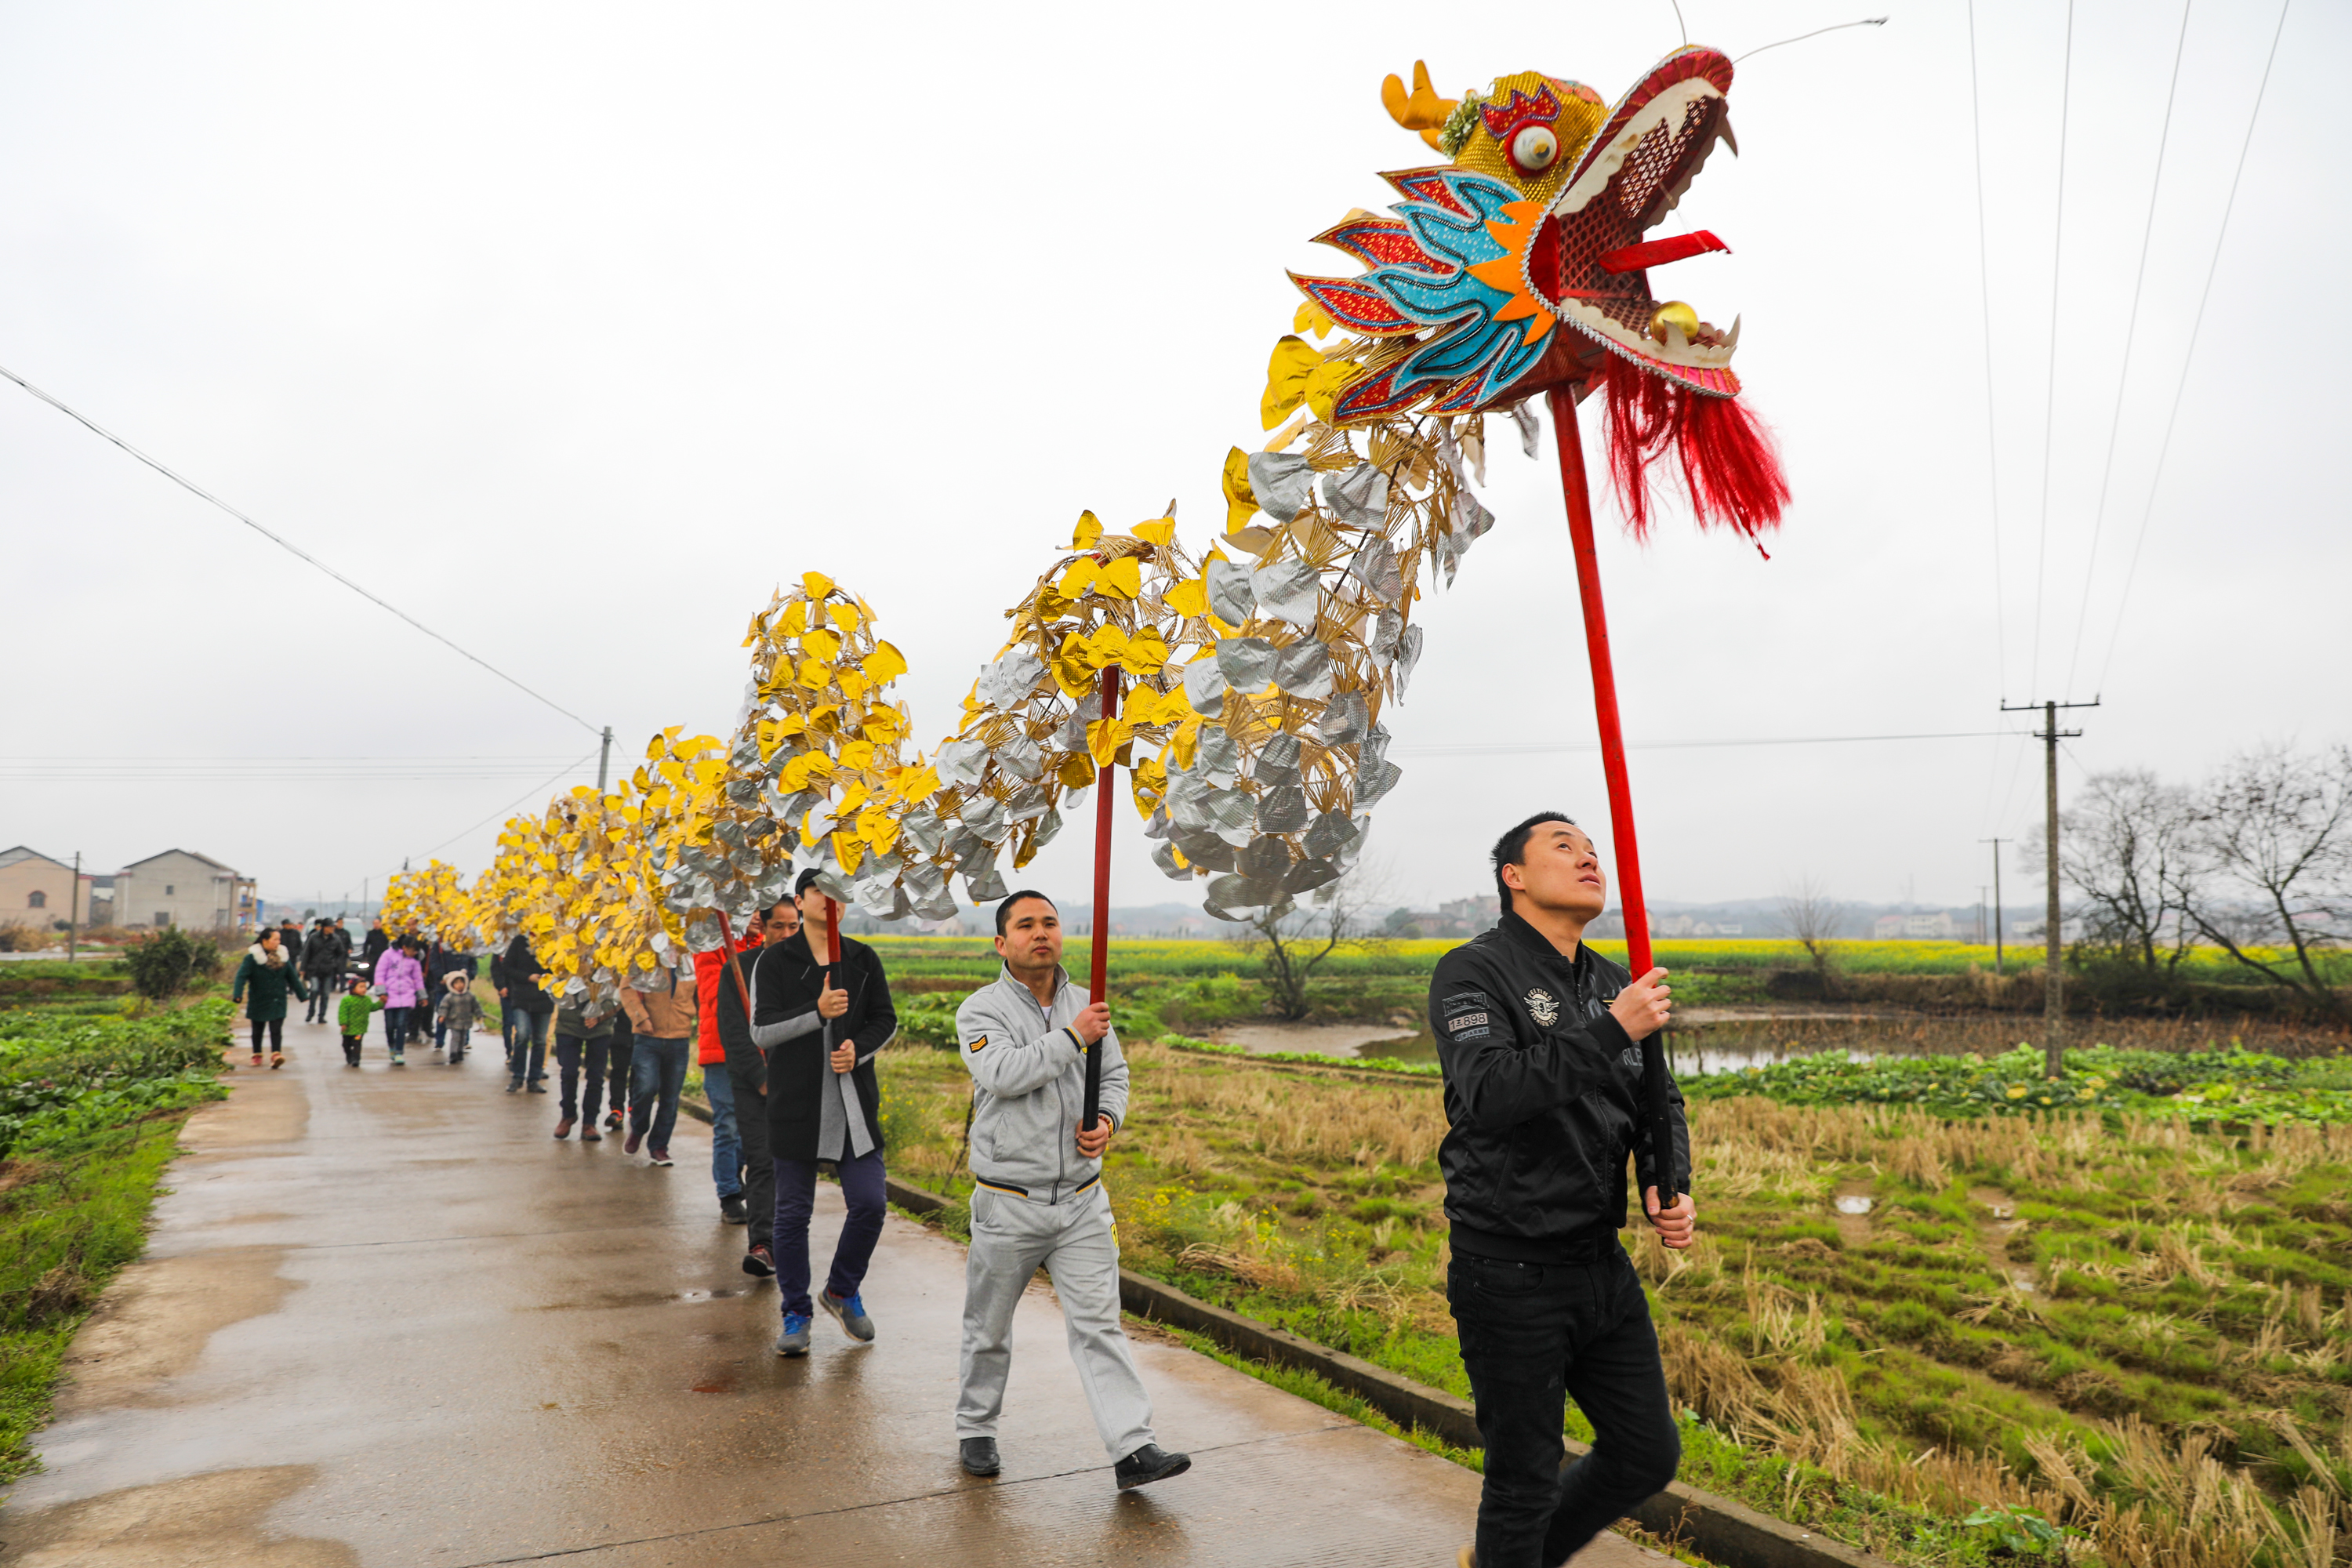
(1149, 1464)
(759, 1263)
(979, 1456)
(731, 1209)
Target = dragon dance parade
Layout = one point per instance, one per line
(1234, 698)
(1577, 952)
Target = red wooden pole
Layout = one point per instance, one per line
(1098, 973)
(1659, 1112)
(1604, 679)
(727, 934)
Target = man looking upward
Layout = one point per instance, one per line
(1037, 1197)
(1538, 1037)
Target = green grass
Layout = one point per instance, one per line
(1881, 1378)
(89, 1115)
(67, 1225)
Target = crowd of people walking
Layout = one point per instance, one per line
(1538, 1042)
(785, 1028)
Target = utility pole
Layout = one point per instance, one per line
(1980, 914)
(1996, 843)
(73, 912)
(2054, 978)
(605, 760)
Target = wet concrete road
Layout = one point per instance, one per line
(387, 1319)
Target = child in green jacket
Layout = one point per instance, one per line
(352, 1016)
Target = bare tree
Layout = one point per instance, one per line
(2274, 829)
(1809, 916)
(1289, 942)
(2129, 846)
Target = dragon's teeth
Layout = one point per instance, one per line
(1723, 131)
(1732, 342)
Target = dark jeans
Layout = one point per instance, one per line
(861, 1188)
(657, 1078)
(321, 1006)
(726, 1143)
(569, 1052)
(277, 1028)
(395, 1028)
(624, 1055)
(1532, 1335)
(527, 1046)
(759, 1170)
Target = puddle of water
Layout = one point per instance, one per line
(1852, 1203)
(1687, 1053)
(2000, 1223)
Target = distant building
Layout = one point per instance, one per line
(1937, 927)
(37, 890)
(1471, 915)
(182, 887)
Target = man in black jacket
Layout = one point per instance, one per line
(821, 1033)
(324, 953)
(1539, 1039)
(747, 1072)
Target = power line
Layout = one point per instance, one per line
(2050, 387)
(199, 492)
(58, 769)
(2164, 449)
(582, 761)
(1530, 748)
(1993, 428)
(2131, 332)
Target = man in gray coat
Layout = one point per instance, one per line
(1037, 1198)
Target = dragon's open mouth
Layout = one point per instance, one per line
(1589, 259)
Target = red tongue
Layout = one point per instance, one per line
(1658, 252)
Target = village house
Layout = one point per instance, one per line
(182, 887)
(37, 890)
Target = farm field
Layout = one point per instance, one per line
(1199, 988)
(2102, 1323)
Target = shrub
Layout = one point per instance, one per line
(170, 963)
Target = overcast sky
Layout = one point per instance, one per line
(573, 330)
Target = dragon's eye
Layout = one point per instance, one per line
(1534, 148)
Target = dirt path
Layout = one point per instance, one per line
(387, 1319)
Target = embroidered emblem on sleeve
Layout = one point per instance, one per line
(1543, 1006)
(1468, 1015)
(978, 1046)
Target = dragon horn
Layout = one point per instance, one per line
(1422, 110)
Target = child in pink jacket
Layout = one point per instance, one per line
(400, 981)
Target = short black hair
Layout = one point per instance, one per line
(1005, 910)
(801, 884)
(1511, 849)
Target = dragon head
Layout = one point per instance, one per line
(1537, 224)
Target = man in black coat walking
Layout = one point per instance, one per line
(819, 1033)
(322, 960)
(1539, 1040)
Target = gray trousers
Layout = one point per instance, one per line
(1010, 1238)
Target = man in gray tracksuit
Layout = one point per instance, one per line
(1037, 1197)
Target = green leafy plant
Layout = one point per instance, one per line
(171, 962)
(2019, 1531)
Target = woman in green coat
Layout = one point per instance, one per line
(271, 971)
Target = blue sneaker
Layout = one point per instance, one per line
(795, 1339)
(850, 1314)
